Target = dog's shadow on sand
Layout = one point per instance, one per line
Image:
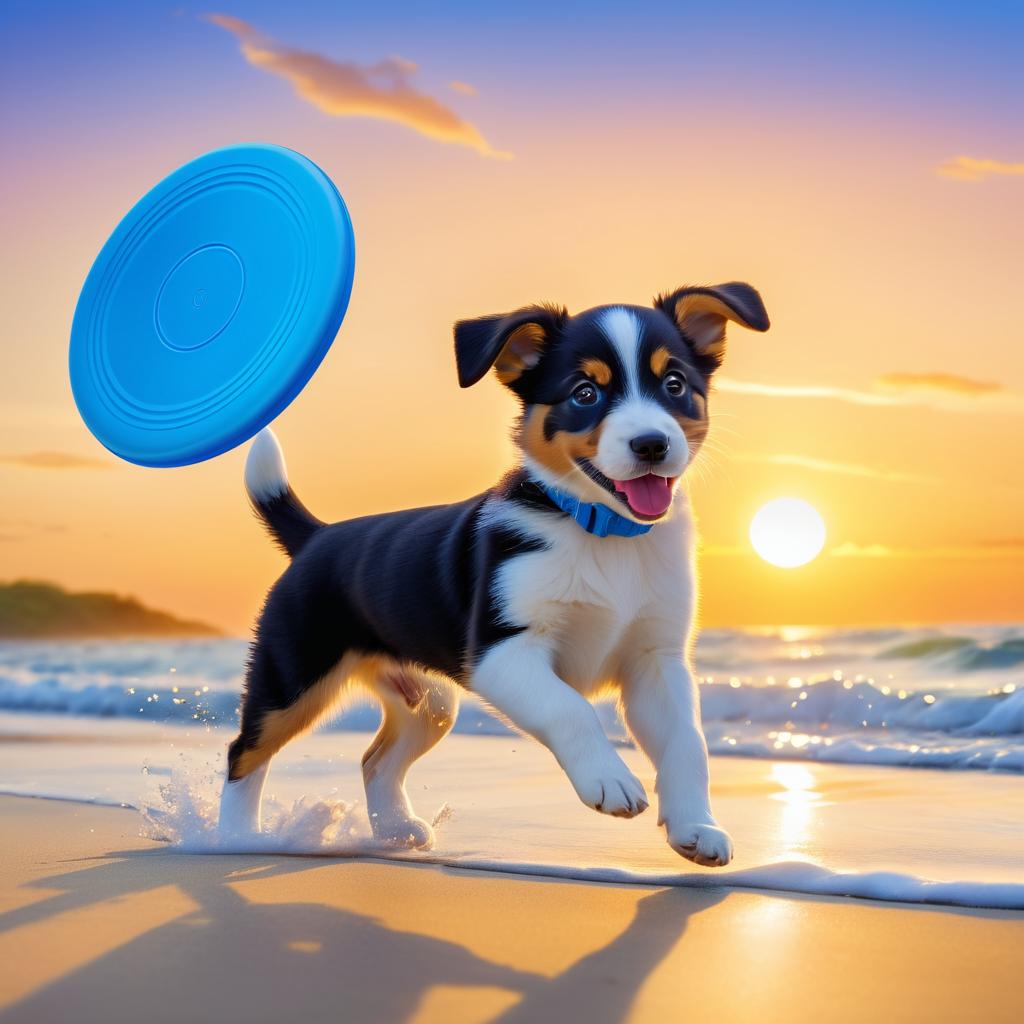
(235, 959)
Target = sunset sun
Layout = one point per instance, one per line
(787, 532)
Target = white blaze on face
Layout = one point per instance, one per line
(623, 330)
(636, 414)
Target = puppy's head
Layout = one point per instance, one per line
(615, 398)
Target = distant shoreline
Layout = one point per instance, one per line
(36, 610)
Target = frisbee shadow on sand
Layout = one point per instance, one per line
(235, 958)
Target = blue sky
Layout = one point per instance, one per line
(899, 59)
(797, 146)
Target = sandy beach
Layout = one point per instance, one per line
(120, 902)
(100, 925)
(501, 802)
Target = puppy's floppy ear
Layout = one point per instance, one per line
(510, 342)
(701, 313)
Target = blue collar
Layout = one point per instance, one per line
(599, 520)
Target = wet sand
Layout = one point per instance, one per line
(100, 925)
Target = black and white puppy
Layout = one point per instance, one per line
(571, 578)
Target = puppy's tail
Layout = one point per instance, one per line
(290, 523)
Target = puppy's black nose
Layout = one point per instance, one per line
(650, 447)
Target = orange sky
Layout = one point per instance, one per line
(872, 259)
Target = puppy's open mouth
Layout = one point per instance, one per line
(647, 497)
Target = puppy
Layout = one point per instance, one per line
(570, 578)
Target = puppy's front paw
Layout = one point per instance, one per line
(607, 785)
(703, 844)
(401, 832)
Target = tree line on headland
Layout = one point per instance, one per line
(32, 610)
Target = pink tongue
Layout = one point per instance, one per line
(649, 495)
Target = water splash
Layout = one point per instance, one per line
(184, 813)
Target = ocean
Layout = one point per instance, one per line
(819, 728)
(950, 697)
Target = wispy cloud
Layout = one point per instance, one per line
(53, 460)
(851, 550)
(961, 551)
(828, 466)
(462, 87)
(347, 89)
(742, 387)
(936, 382)
(972, 168)
(944, 391)
(848, 549)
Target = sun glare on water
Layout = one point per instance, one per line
(787, 532)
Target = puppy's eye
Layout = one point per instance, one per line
(674, 383)
(585, 394)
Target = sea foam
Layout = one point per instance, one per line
(185, 816)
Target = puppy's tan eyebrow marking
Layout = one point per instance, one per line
(598, 370)
(659, 360)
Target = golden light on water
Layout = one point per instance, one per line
(796, 792)
(796, 783)
(787, 532)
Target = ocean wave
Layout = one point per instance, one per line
(907, 652)
(841, 721)
(845, 703)
(898, 697)
(826, 702)
(961, 653)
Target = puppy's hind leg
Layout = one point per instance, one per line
(418, 712)
(275, 709)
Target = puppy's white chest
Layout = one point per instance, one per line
(585, 593)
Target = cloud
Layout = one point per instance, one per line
(849, 549)
(970, 168)
(936, 382)
(54, 460)
(828, 466)
(462, 87)
(944, 391)
(965, 551)
(383, 91)
(742, 387)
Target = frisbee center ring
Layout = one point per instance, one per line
(199, 297)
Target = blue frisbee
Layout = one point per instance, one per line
(211, 305)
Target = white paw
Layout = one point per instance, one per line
(607, 785)
(409, 833)
(703, 844)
